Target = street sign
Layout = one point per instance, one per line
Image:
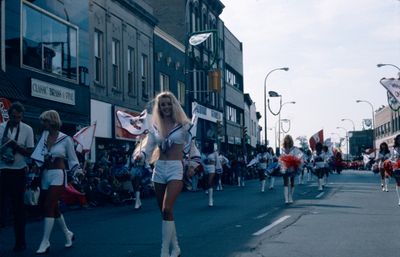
(393, 92)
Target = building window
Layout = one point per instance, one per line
(230, 78)
(131, 71)
(49, 44)
(144, 72)
(98, 56)
(181, 92)
(164, 82)
(231, 114)
(115, 53)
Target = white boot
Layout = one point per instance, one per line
(210, 197)
(262, 186)
(272, 183)
(320, 182)
(242, 180)
(45, 244)
(386, 184)
(138, 202)
(69, 236)
(166, 233)
(286, 194)
(239, 183)
(291, 191)
(383, 184)
(176, 251)
(398, 193)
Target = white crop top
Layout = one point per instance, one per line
(179, 135)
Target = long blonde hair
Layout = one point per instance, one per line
(178, 116)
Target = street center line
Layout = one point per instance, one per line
(320, 194)
(273, 224)
(262, 215)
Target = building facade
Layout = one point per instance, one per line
(387, 126)
(121, 39)
(45, 56)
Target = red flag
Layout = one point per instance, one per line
(317, 137)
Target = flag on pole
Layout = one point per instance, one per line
(135, 125)
(199, 38)
(317, 137)
(393, 86)
(84, 138)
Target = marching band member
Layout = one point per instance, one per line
(51, 152)
(210, 161)
(290, 159)
(166, 145)
(319, 161)
(396, 159)
(262, 160)
(273, 167)
(383, 155)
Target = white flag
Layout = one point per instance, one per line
(199, 38)
(136, 125)
(193, 129)
(84, 138)
(393, 86)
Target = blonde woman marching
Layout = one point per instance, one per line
(210, 160)
(288, 169)
(53, 150)
(165, 145)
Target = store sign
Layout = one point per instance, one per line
(52, 92)
(206, 113)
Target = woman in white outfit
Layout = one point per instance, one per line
(319, 161)
(166, 144)
(53, 149)
(396, 158)
(289, 174)
(210, 160)
(383, 155)
(262, 160)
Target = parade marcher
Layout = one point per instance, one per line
(273, 167)
(319, 162)
(166, 145)
(262, 160)
(52, 151)
(384, 169)
(290, 160)
(396, 159)
(328, 163)
(17, 142)
(220, 170)
(308, 165)
(210, 160)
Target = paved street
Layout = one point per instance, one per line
(352, 218)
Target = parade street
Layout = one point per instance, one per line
(351, 218)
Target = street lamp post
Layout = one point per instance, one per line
(279, 136)
(352, 122)
(388, 64)
(347, 138)
(373, 120)
(265, 100)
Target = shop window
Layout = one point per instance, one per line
(49, 44)
(164, 82)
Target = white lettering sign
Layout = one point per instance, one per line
(52, 92)
(206, 113)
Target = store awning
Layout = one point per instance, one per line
(8, 89)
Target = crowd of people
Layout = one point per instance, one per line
(164, 163)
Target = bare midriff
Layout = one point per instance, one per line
(175, 152)
(57, 163)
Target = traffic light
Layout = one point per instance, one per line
(244, 132)
(219, 128)
(214, 80)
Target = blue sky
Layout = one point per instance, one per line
(331, 47)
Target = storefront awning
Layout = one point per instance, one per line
(8, 89)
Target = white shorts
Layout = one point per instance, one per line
(56, 177)
(166, 170)
(209, 168)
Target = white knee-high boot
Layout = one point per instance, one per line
(272, 183)
(286, 194)
(386, 184)
(138, 202)
(210, 197)
(239, 183)
(398, 193)
(166, 233)
(262, 185)
(291, 191)
(320, 182)
(176, 251)
(69, 236)
(383, 184)
(47, 228)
